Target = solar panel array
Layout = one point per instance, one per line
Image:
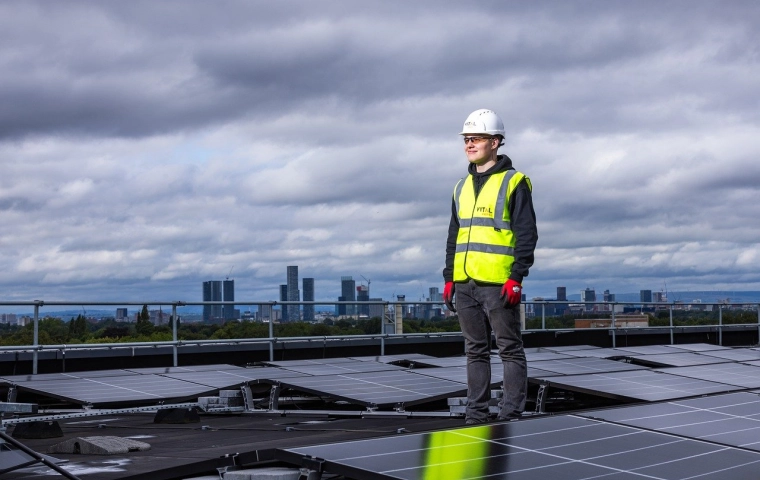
(566, 447)
(378, 389)
(634, 375)
(731, 419)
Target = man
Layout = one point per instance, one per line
(492, 237)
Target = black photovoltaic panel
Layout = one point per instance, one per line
(569, 348)
(459, 374)
(186, 368)
(231, 378)
(110, 390)
(561, 447)
(699, 347)
(576, 366)
(686, 359)
(538, 356)
(339, 368)
(378, 388)
(299, 363)
(43, 377)
(731, 419)
(644, 385)
(599, 353)
(737, 374)
(393, 358)
(650, 349)
(442, 362)
(735, 354)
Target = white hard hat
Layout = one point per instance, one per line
(483, 121)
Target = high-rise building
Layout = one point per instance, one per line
(645, 296)
(265, 313)
(588, 295)
(294, 295)
(609, 297)
(228, 287)
(561, 294)
(348, 292)
(308, 296)
(377, 309)
(362, 295)
(212, 292)
(284, 308)
(122, 315)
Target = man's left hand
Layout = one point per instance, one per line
(511, 293)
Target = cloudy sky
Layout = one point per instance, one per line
(147, 146)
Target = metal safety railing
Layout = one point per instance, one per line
(394, 312)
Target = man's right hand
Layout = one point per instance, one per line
(448, 296)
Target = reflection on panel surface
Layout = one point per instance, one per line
(562, 447)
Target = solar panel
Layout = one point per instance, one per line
(731, 419)
(565, 447)
(699, 347)
(231, 378)
(378, 388)
(186, 368)
(299, 363)
(643, 385)
(569, 348)
(442, 362)
(538, 356)
(735, 354)
(650, 349)
(575, 366)
(459, 374)
(599, 353)
(746, 376)
(393, 358)
(42, 377)
(338, 368)
(109, 390)
(685, 359)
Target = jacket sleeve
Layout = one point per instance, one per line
(451, 244)
(523, 224)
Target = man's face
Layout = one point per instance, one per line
(480, 148)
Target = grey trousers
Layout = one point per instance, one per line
(480, 311)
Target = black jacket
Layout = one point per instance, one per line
(522, 220)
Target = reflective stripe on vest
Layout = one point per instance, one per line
(485, 243)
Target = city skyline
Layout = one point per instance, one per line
(149, 146)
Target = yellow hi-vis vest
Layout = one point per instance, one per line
(485, 242)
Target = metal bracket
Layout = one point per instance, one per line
(541, 398)
(307, 474)
(311, 468)
(247, 397)
(274, 398)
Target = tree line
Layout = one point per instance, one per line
(80, 330)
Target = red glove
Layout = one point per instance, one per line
(448, 296)
(511, 293)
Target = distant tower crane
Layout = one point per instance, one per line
(368, 282)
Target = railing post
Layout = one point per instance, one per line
(543, 316)
(720, 325)
(613, 327)
(174, 332)
(758, 323)
(36, 337)
(271, 336)
(670, 308)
